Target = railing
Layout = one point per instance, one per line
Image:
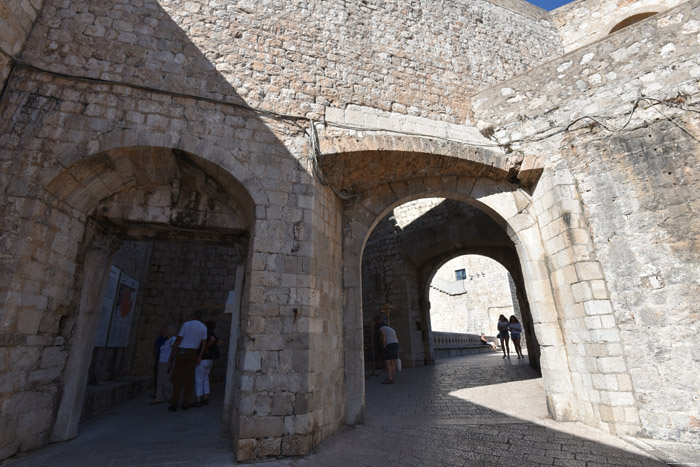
(452, 344)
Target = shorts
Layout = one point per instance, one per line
(515, 335)
(503, 334)
(391, 351)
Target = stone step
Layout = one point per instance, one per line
(102, 397)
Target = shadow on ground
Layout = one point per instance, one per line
(468, 411)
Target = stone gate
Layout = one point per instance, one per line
(285, 132)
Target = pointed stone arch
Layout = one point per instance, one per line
(507, 205)
(135, 192)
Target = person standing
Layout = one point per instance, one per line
(515, 330)
(201, 373)
(391, 351)
(503, 335)
(162, 337)
(188, 349)
(164, 386)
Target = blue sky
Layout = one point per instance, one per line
(549, 4)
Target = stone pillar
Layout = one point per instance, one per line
(95, 271)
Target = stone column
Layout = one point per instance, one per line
(95, 271)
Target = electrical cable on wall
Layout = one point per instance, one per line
(312, 132)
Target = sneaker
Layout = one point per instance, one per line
(172, 408)
(504, 357)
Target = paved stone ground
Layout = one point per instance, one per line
(469, 411)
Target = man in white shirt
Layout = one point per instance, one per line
(187, 353)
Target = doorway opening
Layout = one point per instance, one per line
(467, 295)
(400, 265)
(153, 288)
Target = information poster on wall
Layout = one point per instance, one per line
(123, 312)
(107, 306)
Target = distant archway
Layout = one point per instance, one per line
(630, 20)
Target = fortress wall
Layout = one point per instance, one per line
(46, 127)
(16, 21)
(619, 215)
(585, 21)
(299, 57)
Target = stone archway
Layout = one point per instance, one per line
(506, 257)
(137, 193)
(382, 171)
(507, 206)
(405, 250)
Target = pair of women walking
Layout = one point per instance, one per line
(515, 328)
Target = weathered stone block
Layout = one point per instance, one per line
(246, 450)
(296, 445)
(261, 427)
(597, 307)
(24, 357)
(582, 291)
(612, 365)
(251, 361)
(53, 357)
(270, 447)
(24, 402)
(617, 399)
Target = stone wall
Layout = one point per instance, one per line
(486, 293)
(45, 121)
(163, 148)
(617, 214)
(585, 21)
(183, 277)
(16, 22)
(413, 59)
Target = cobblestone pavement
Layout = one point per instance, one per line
(469, 411)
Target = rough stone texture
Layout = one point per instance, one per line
(622, 201)
(17, 19)
(586, 21)
(379, 54)
(85, 165)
